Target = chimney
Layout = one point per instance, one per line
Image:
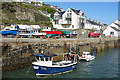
(96, 21)
(99, 22)
(93, 20)
(89, 19)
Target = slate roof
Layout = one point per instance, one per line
(93, 23)
(61, 13)
(76, 11)
(117, 24)
(115, 28)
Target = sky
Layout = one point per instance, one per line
(104, 12)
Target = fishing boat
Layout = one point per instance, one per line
(86, 56)
(9, 31)
(44, 64)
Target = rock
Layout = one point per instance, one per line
(24, 14)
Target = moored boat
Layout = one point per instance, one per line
(86, 56)
(44, 64)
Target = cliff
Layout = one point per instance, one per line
(17, 12)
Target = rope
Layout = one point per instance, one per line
(28, 70)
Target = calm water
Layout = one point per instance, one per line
(104, 66)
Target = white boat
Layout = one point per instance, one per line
(37, 34)
(25, 33)
(44, 64)
(86, 56)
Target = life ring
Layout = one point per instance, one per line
(83, 56)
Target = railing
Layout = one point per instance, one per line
(66, 22)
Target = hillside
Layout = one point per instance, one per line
(25, 13)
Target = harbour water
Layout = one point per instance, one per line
(104, 66)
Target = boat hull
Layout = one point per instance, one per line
(87, 59)
(45, 70)
(9, 32)
(39, 34)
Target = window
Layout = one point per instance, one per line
(37, 57)
(46, 59)
(111, 33)
(65, 26)
(56, 22)
(42, 59)
(72, 26)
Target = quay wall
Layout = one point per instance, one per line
(18, 53)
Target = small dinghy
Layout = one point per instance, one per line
(86, 56)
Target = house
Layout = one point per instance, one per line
(38, 3)
(71, 19)
(59, 9)
(93, 25)
(104, 26)
(113, 30)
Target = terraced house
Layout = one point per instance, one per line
(73, 20)
(69, 20)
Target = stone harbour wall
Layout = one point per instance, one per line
(16, 55)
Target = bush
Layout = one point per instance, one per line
(27, 6)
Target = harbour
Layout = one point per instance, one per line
(104, 66)
(44, 40)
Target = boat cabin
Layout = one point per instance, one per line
(44, 59)
(86, 53)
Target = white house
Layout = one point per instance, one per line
(38, 3)
(69, 20)
(113, 29)
(93, 25)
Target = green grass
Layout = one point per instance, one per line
(44, 23)
(27, 6)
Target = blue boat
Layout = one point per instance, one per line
(44, 64)
(8, 32)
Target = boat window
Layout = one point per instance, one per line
(50, 59)
(7, 29)
(42, 59)
(46, 59)
(37, 57)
